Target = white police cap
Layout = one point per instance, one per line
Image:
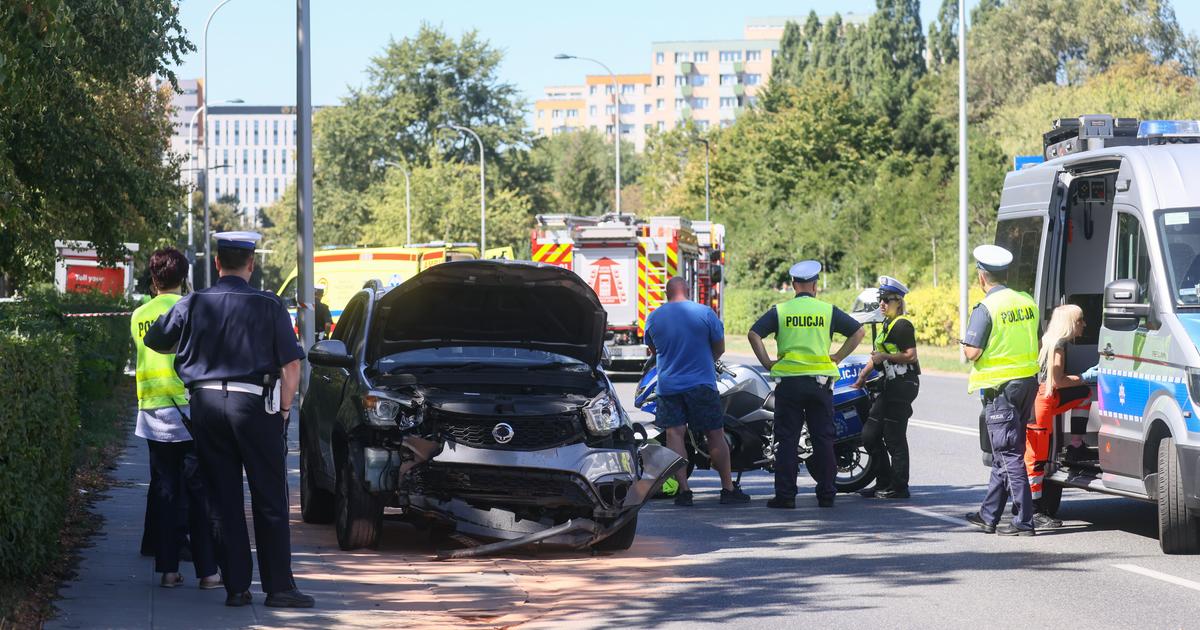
(805, 271)
(237, 240)
(992, 258)
(888, 284)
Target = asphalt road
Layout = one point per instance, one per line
(909, 564)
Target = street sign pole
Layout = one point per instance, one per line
(305, 310)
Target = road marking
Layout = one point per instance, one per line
(940, 426)
(931, 514)
(1165, 577)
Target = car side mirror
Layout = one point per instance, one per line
(1125, 307)
(330, 353)
(716, 273)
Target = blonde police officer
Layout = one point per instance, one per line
(1002, 344)
(803, 329)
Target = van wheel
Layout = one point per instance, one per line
(1178, 531)
(316, 503)
(621, 540)
(359, 513)
(1051, 497)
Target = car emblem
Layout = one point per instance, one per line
(503, 433)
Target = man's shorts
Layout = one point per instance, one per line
(699, 408)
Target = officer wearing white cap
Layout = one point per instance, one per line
(885, 434)
(1002, 344)
(238, 356)
(803, 329)
(323, 318)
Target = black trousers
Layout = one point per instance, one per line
(233, 432)
(885, 435)
(175, 482)
(800, 400)
(1006, 412)
(148, 528)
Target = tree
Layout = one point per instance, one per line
(943, 36)
(579, 164)
(82, 129)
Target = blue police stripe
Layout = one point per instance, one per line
(1124, 395)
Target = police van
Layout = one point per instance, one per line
(1111, 222)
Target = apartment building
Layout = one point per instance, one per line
(184, 105)
(593, 106)
(254, 147)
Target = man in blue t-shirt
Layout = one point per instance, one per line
(688, 337)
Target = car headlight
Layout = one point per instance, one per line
(384, 410)
(601, 415)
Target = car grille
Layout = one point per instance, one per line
(529, 433)
(502, 485)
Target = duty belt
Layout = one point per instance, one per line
(229, 386)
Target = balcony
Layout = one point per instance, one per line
(739, 90)
(686, 91)
(686, 67)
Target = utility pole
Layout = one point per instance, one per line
(304, 175)
(962, 171)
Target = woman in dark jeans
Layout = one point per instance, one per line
(885, 434)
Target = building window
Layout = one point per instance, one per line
(753, 79)
(225, 157)
(700, 56)
(283, 165)
(264, 161)
(627, 108)
(728, 101)
(556, 114)
(680, 103)
(646, 108)
(275, 132)
(591, 110)
(729, 79)
(275, 189)
(753, 55)
(609, 110)
(660, 80)
(752, 101)
(681, 56)
(702, 125)
(646, 128)
(660, 103)
(608, 130)
(592, 90)
(659, 57)
(541, 114)
(237, 132)
(727, 56)
(217, 188)
(256, 190)
(245, 161)
(774, 53)
(699, 80)
(572, 113)
(629, 88)
(699, 103)
(680, 80)
(256, 132)
(217, 134)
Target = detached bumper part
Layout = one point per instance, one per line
(657, 463)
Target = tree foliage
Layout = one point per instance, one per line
(82, 128)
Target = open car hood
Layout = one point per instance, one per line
(500, 303)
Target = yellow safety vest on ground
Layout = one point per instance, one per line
(1012, 346)
(158, 385)
(803, 338)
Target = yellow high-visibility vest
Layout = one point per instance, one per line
(803, 338)
(1012, 346)
(158, 385)
(881, 344)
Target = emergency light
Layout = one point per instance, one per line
(1151, 129)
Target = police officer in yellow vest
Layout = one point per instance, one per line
(162, 400)
(803, 329)
(1002, 342)
(885, 435)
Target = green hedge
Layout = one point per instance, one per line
(50, 367)
(743, 306)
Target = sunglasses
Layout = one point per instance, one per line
(889, 299)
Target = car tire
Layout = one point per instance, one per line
(359, 514)
(621, 539)
(316, 503)
(1051, 497)
(1178, 530)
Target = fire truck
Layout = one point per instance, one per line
(627, 262)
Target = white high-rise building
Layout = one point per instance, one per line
(253, 147)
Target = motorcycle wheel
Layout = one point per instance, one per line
(855, 468)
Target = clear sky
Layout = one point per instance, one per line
(252, 43)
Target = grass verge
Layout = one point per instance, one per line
(933, 358)
(103, 427)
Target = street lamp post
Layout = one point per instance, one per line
(207, 218)
(482, 189)
(383, 162)
(706, 193)
(617, 131)
(962, 172)
(191, 246)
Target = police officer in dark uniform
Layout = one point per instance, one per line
(237, 354)
(1002, 343)
(803, 329)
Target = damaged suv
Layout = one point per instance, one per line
(472, 397)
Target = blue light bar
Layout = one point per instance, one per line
(1169, 129)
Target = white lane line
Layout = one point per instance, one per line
(939, 426)
(931, 514)
(1165, 577)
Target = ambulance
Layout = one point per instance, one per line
(1111, 223)
(627, 262)
(345, 271)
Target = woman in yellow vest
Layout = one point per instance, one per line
(886, 432)
(1002, 343)
(162, 402)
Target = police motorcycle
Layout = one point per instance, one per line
(748, 402)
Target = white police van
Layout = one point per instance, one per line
(1111, 222)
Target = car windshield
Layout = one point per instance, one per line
(1180, 235)
(477, 356)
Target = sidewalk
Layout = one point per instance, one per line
(398, 585)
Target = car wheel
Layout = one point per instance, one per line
(316, 503)
(1178, 531)
(359, 513)
(621, 539)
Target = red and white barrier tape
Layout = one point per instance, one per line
(118, 314)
